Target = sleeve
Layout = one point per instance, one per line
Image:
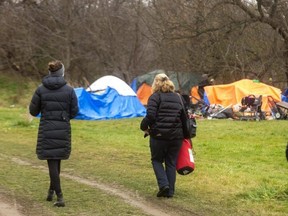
(74, 108)
(152, 108)
(35, 104)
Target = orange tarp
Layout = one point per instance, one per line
(233, 93)
(143, 93)
(194, 93)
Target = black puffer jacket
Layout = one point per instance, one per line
(57, 103)
(165, 116)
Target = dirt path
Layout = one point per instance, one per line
(131, 199)
(9, 209)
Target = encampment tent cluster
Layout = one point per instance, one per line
(253, 100)
(110, 97)
(234, 92)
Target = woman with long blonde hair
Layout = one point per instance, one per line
(164, 122)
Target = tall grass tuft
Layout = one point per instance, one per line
(265, 193)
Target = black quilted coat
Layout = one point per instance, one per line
(165, 117)
(57, 103)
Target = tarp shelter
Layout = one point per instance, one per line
(285, 95)
(233, 93)
(108, 98)
(183, 81)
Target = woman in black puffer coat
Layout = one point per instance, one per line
(165, 122)
(57, 103)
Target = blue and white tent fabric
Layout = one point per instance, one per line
(108, 98)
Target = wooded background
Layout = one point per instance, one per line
(226, 39)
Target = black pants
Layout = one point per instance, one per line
(165, 151)
(54, 173)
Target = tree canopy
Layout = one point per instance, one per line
(226, 39)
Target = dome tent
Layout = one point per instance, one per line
(108, 98)
(183, 81)
(116, 83)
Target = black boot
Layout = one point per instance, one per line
(50, 195)
(163, 192)
(60, 201)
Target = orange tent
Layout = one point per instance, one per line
(233, 93)
(143, 93)
(194, 92)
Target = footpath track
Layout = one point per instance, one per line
(127, 197)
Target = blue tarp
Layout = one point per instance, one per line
(107, 105)
(283, 98)
(284, 95)
(133, 85)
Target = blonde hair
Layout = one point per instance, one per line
(162, 83)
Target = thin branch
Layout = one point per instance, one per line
(259, 6)
(273, 8)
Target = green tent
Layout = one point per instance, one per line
(183, 81)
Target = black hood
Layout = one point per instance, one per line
(53, 82)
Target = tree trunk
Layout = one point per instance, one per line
(286, 60)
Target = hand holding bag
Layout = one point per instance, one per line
(185, 162)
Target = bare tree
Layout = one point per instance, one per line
(227, 39)
(272, 13)
(116, 32)
(214, 37)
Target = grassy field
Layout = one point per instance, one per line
(241, 167)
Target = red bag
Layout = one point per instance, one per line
(185, 161)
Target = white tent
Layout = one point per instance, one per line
(108, 98)
(113, 82)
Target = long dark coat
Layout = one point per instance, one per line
(57, 103)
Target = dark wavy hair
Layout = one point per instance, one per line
(54, 65)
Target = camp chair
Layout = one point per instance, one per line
(283, 106)
(279, 110)
(251, 108)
